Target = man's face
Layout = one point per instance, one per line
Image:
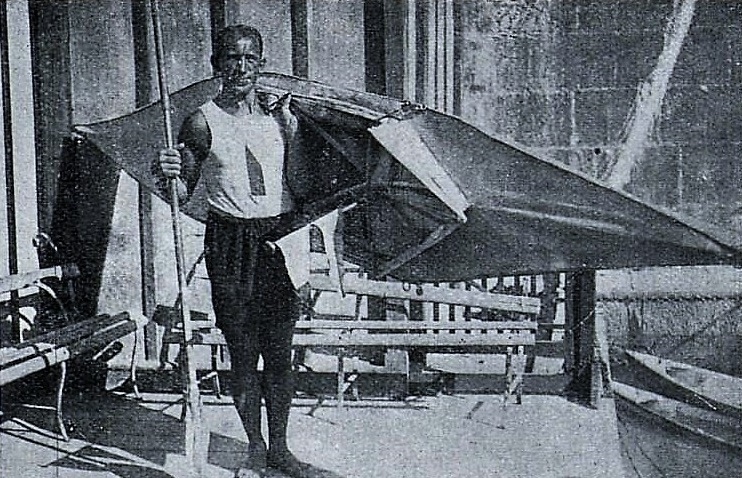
(239, 64)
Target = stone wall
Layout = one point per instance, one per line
(563, 77)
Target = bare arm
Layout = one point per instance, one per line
(183, 163)
(195, 135)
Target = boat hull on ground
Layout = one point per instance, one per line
(694, 385)
(663, 437)
(713, 428)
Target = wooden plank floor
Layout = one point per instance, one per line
(445, 436)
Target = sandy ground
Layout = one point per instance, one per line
(441, 436)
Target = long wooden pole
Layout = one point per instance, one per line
(193, 432)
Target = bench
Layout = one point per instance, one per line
(348, 336)
(345, 338)
(92, 337)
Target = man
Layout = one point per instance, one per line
(237, 147)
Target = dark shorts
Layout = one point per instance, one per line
(249, 280)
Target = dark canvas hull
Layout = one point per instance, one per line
(428, 197)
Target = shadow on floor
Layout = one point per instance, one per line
(121, 436)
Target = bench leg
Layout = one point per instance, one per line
(522, 364)
(344, 383)
(133, 369)
(214, 369)
(60, 399)
(341, 379)
(165, 354)
(213, 374)
(398, 362)
(514, 369)
(352, 383)
(508, 375)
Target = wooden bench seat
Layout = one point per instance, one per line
(472, 336)
(345, 338)
(54, 348)
(58, 346)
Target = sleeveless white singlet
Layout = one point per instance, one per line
(236, 144)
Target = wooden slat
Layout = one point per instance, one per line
(353, 284)
(212, 336)
(348, 325)
(61, 338)
(53, 356)
(102, 338)
(58, 346)
(341, 333)
(55, 338)
(551, 326)
(56, 355)
(65, 335)
(414, 340)
(34, 364)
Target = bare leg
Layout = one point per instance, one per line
(244, 350)
(279, 309)
(279, 386)
(247, 400)
(279, 391)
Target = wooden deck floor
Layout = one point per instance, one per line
(460, 436)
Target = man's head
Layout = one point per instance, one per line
(238, 57)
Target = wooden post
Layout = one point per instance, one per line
(549, 299)
(50, 30)
(146, 81)
(375, 46)
(341, 379)
(582, 357)
(396, 360)
(9, 158)
(300, 11)
(572, 342)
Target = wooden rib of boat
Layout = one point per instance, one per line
(691, 384)
(703, 426)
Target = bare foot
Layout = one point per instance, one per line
(248, 473)
(255, 464)
(288, 464)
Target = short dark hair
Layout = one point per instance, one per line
(229, 35)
